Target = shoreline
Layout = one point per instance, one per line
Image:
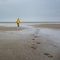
(52, 26)
(14, 28)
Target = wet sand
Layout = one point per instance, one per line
(30, 43)
(56, 26)
(5, 28)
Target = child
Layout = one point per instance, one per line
(18, 21)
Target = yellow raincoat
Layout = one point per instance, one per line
(18, 20)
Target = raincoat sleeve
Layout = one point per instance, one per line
(16, 21)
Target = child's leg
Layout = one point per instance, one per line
(17, 24)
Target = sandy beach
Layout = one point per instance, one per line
(54, 26)
(34, 42)
(4, 28)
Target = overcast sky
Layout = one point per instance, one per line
(30, 10)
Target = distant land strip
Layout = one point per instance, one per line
(31, 22)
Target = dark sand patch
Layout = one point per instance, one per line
(54, 26)
(3, 28)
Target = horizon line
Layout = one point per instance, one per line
(31, 22)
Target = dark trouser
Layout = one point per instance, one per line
(18, 24)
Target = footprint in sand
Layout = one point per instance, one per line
(38, 42)
(33, 39)
(35, 36)
(34, 46)
(49, 55)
